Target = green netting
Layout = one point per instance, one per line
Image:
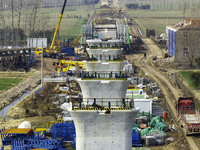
(95, 35)
(163, 132)
(139, 96)
(156, 131)
(145, 131)
(160, 126)
(84, 19)
(135, 125)
(138, 131)
(145, 114)
(154, 120)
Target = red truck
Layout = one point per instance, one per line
(187, 116)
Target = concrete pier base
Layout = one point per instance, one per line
(98, 130)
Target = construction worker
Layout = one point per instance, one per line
(145, 55)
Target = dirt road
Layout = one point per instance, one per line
(171, 91)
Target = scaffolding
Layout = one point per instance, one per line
(27, 139)
(122, 31)
(87, 31)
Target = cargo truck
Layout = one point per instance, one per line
(188, 116)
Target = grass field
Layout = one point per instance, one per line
(70, 27)
(6, 83)
(156, 13)
(158, 20)
(158, 24)
(186, 76)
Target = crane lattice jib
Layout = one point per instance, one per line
(58, 25)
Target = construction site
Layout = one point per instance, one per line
(108, 87)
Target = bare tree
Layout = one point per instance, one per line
(2, 13)
(191, 46)
(18, 9)
(195, 12)
(33, 17)
(180, 4)
(12, 16)
(184, 9)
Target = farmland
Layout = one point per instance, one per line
(162, 13)
(156, 19)
(187, 76)
(6, 83)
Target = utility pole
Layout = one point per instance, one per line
(42, 64)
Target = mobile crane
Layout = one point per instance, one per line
(53, 51)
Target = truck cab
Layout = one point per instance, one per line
(38, 51)
(185, 104)
(188, 117)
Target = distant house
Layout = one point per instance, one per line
(184, 41)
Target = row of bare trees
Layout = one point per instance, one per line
(167, 4)
(20, 18)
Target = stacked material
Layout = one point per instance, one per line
(154, 134)
(145, 131)
(145, 114)
(150, 140)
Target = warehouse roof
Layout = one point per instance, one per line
(187, 23)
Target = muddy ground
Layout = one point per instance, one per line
(169, 88)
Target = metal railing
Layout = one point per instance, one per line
(95, 47)
(109, 58)
(102, 103)
(103, 75)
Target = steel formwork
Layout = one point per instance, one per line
(47, 143)
(122, 32)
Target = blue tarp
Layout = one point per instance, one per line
(68, 50)
(135, 138)
(172, 42)
(67, 132)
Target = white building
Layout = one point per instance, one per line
(36, 42)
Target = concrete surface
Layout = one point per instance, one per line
(106, 66)
(103, 54)
(96, 130)
(108, 90)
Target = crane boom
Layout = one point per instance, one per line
(58, 25)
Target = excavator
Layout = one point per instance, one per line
(53, 50)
